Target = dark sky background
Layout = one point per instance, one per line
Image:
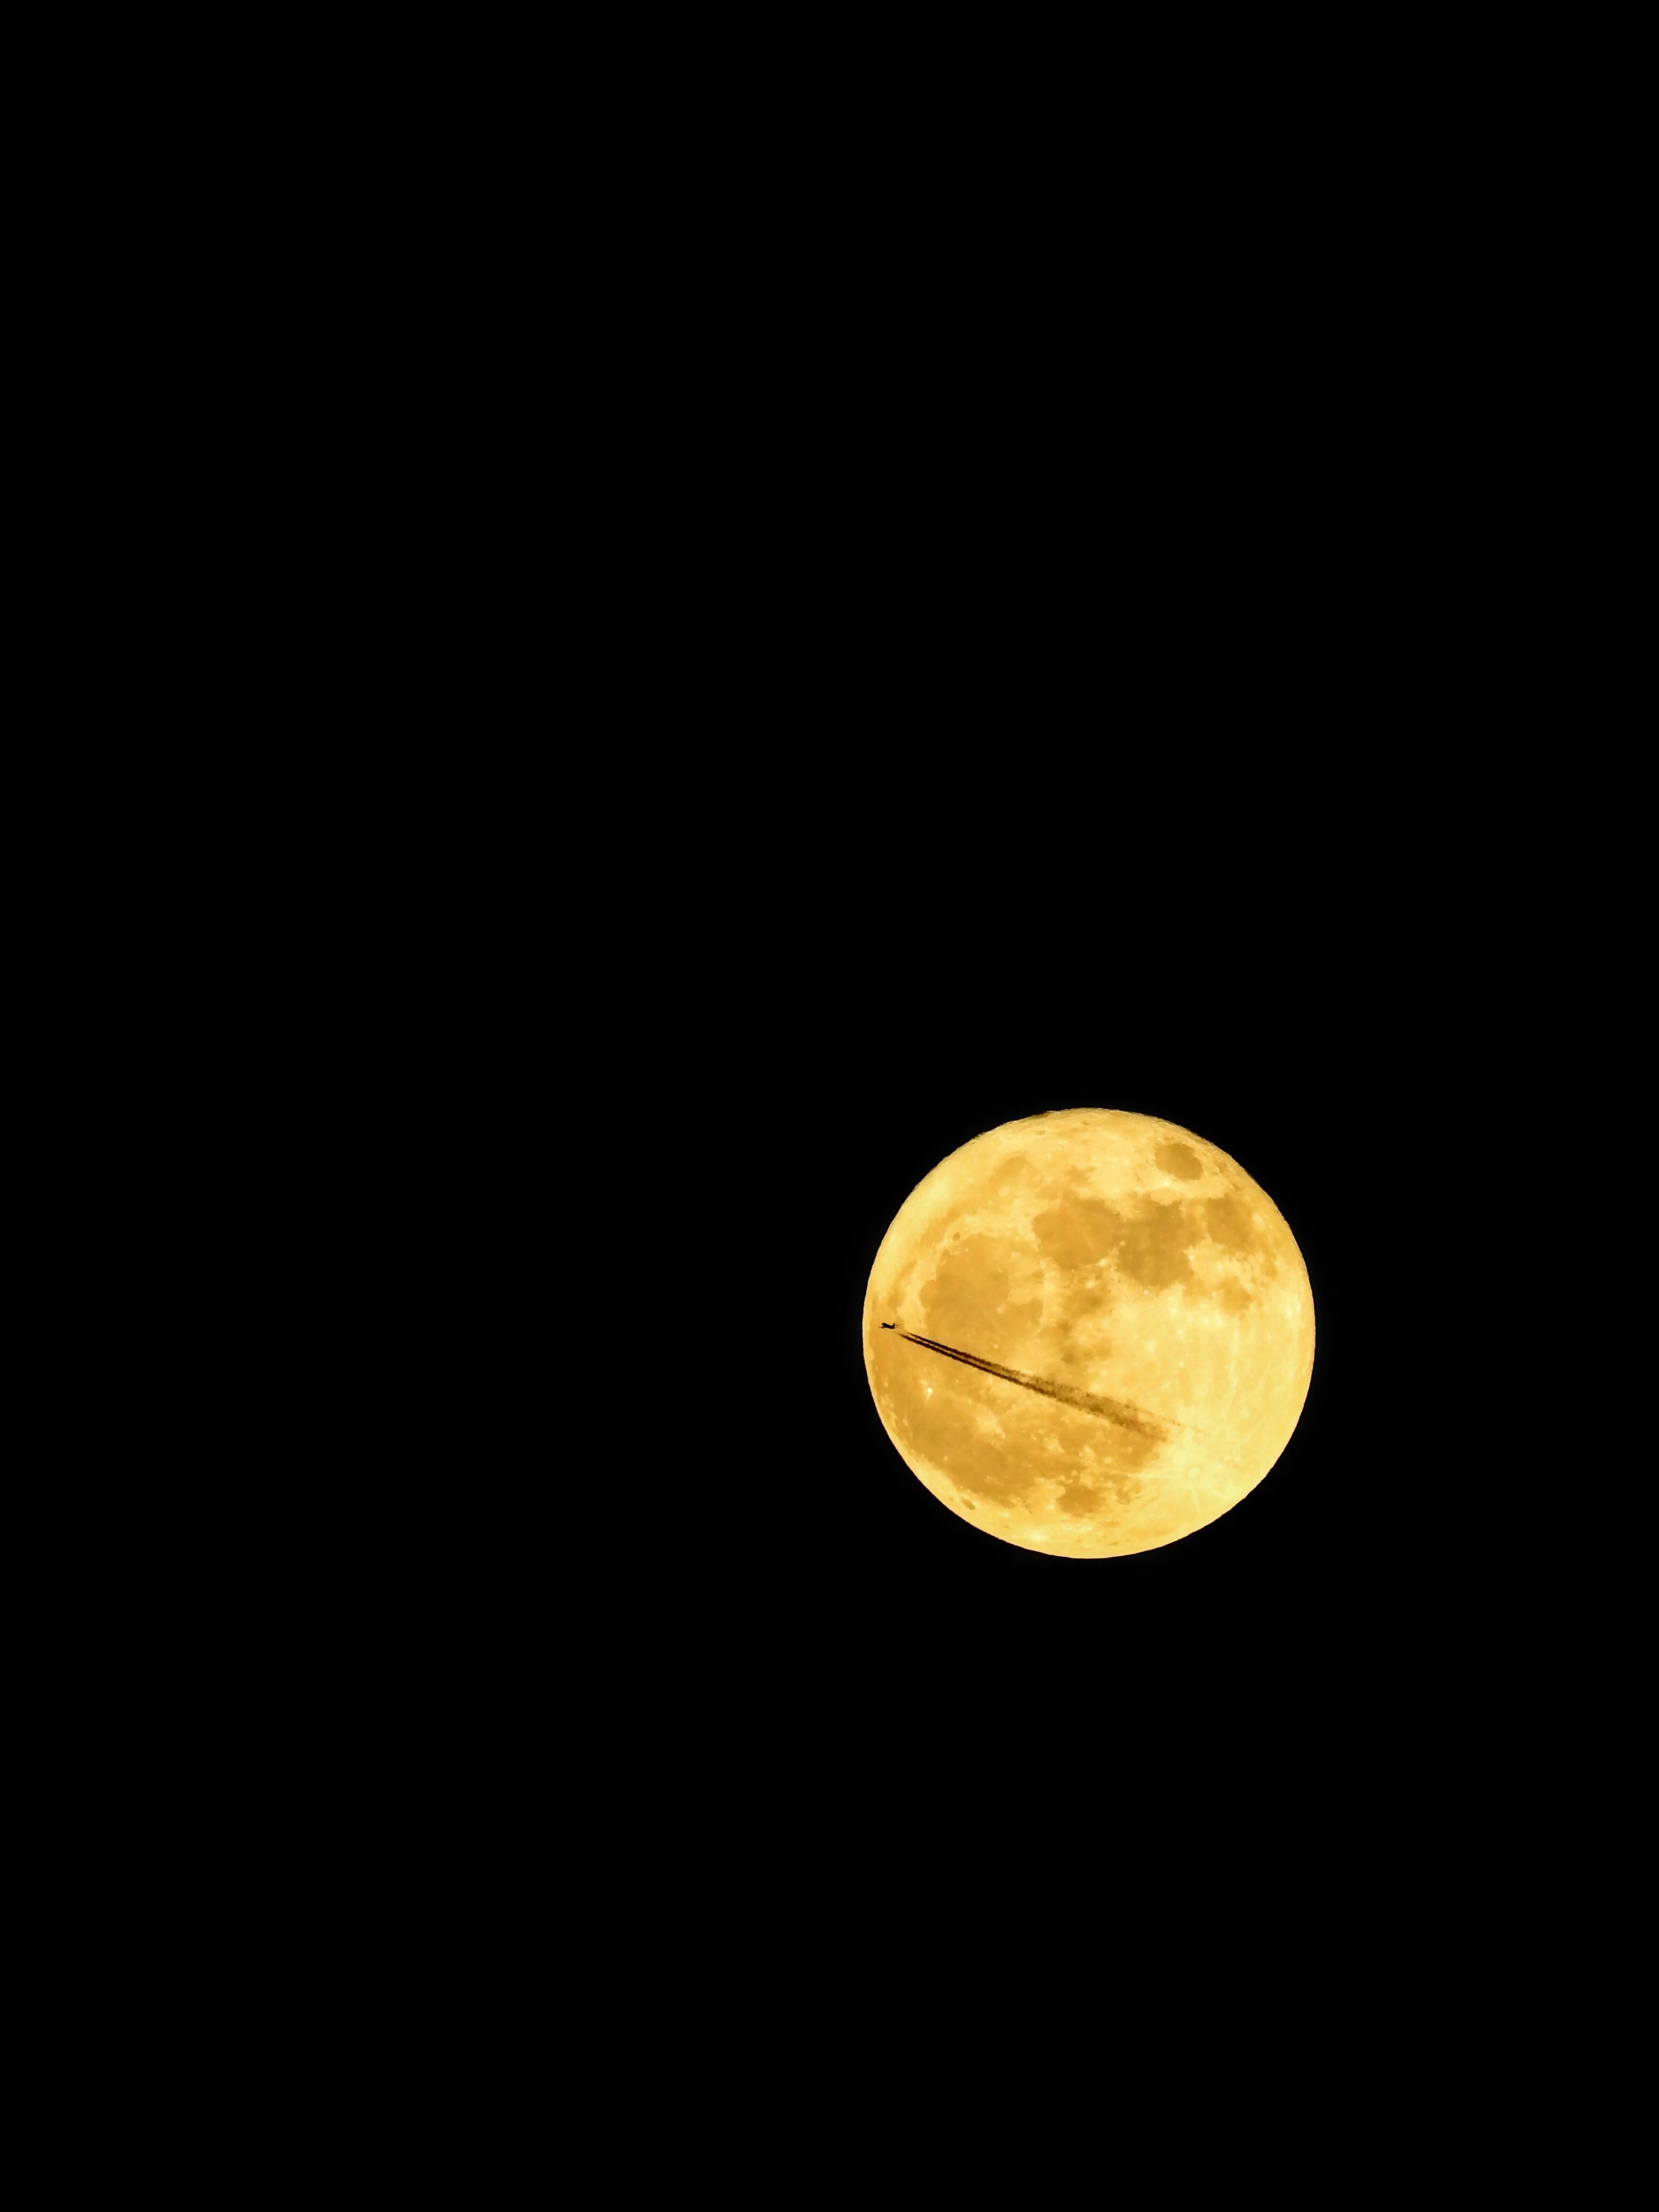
(991, 958)
(1158, 774)
(1014, 685)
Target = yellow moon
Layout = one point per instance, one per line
(1089, 1333)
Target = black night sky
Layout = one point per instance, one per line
(1180, 831)
(1176, 943)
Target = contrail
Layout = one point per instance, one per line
(1087, 1401)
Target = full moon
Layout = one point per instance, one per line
(1089, 1333)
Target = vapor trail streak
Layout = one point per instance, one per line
(1087, 1401)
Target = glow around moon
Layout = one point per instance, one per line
(1149, 1308)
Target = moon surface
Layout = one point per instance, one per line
(1089, 1333)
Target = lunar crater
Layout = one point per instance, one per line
(1180, 1160)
